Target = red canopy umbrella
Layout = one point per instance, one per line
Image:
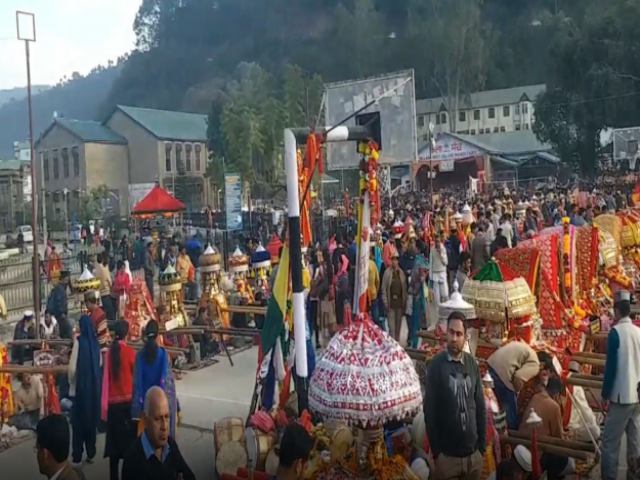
(158, 201)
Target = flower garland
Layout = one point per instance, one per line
(369, 177)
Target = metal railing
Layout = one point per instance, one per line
(16, 279)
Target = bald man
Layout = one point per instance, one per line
(155, 455)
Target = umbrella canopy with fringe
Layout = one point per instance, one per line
(498, 293)
(365, 378)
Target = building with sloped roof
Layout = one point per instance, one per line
(480, 113)
(132, 146)
(503, 157)
(165, 147)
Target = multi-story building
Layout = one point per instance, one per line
(165, 147)
(132, 146)
(492, 111)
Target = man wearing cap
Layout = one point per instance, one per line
(620, 389)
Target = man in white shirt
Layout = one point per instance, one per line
(582, 419)
(507, 229)
(438, 262)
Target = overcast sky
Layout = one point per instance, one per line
(72, 35)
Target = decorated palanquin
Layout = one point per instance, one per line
(212, 296)
(171, 298)
(503, 303)
(361, 363)
(139, 309)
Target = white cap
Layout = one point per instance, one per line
(27, 313)
(487, 378)
(533, 418)
(522, 456)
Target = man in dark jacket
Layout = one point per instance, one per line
(57, 305)
(454, 407)
(155, 455)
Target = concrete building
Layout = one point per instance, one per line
(13, 204)
(166, 147)
(132, 146)
(480, 113)
(75, 157)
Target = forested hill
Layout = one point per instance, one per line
(75, 97)
(256, 65)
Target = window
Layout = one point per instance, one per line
(75, 153)
(65, 162)
(187, 156)
(179, 165)
(45, 165)
(492, 112)
(420, 120)
(517, 109)
(462, 116)
(632, 147)
(525, 108)
(198, 151)
(526, 126)
(518, 127)
(506, 111)
(476, 114)
(502, 129)
(56, 166)
(443, 118)
(473, 131)
(167, 157)
(496, 129)
(437, 119)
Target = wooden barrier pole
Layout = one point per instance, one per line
(560, 442)
(547, 447)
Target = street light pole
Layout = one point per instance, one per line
(28, 34)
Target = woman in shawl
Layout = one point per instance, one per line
(117, 391)
(418, 297)
(153, 368)
(84, 388)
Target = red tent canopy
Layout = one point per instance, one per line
(158, 201)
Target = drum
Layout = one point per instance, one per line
(230, 458)
(258, 446)
(341, 443)
(228, 429)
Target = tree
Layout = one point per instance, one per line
(595, 77)
(451, 42)
(92, 204)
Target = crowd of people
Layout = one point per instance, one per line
(420, 254)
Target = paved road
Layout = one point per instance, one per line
(205, 396)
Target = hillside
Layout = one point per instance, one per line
(18, 93)
(79, 97)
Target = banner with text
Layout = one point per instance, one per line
(233, 200)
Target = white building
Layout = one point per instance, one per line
(492, 111)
